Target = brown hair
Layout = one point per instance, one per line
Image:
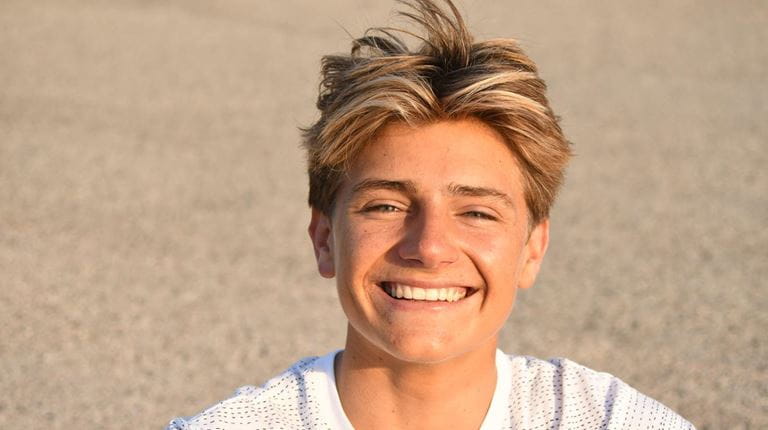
(448, 77)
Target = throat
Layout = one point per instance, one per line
(454, 394)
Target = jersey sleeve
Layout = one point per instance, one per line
(616, 405)
(559, 393)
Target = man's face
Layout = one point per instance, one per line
(435, 215)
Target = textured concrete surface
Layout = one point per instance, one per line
(153, 253)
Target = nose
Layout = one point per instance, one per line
(428, 241)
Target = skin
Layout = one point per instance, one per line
(441, 205)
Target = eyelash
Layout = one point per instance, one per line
(385, 208)
(382, 208)
(480, 215)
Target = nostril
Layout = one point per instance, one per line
(428, 240)
(431, 253)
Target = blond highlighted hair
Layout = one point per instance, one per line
(449, 76)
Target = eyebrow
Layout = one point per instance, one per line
(472, 191)
(408, 187)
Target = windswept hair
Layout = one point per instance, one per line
(448, 77)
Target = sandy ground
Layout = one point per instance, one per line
(153, 254)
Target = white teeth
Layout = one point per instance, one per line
(401, 291)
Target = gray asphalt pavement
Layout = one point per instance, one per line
(153, 253)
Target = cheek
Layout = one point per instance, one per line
(497, 252)
(497, 259)
(360, 247)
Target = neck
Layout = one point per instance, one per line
(380, 391)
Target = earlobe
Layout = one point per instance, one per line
(535, 250)
(322, 242)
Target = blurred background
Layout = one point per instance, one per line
(153, 251)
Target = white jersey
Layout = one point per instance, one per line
(530, 394)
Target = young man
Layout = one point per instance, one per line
(432, 173)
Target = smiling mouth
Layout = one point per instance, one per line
(408, 292)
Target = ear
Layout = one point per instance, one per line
(534, 252)
(322, 241)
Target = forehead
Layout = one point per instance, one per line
(460, 152)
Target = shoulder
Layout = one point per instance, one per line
(563, 393)
(282, 402)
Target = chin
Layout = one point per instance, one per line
(425, 349)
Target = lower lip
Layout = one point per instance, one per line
(422, 305)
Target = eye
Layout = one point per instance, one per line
(479, 215)
(381, 208)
